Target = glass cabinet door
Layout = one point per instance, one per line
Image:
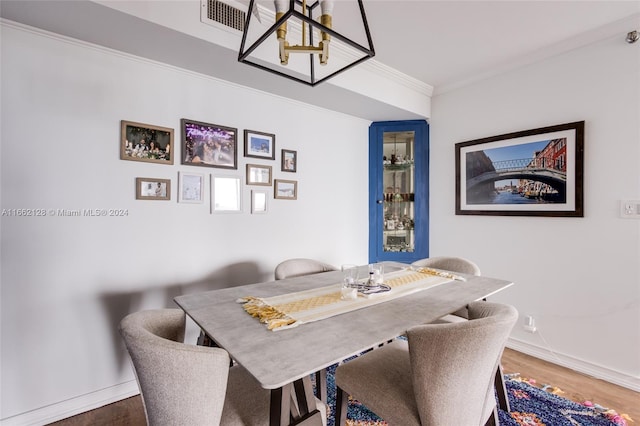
(398, 177)
(398, 191)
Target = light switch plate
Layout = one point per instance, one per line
(630, 209)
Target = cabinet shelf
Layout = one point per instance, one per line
(394, 200)
(393, 167)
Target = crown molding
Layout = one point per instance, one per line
(617, 29)
(370, 78)
(172, 33)
(393, 74)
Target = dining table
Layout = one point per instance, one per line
(284, 359)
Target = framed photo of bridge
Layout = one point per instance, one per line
(536, 172)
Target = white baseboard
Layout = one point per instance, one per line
(584, 367)
(71, 407)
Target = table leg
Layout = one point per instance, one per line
(280, 406)
(501, 390)
(321, 385)
(294, 404)
(342, 400)
(205, 340)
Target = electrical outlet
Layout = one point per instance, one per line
(630, 209)
(529, 324)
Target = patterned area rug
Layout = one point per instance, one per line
(530, 406)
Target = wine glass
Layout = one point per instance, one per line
(349, 281)
(376, 274)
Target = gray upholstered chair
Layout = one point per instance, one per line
(463, 266)
(454, 264)
(443, 375)
(298, 267)
(185, 384)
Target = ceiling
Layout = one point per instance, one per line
(448, 43)
(445, 44)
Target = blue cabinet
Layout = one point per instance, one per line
(398, 191)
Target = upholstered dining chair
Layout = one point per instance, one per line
(464, 266)
(187, 384)
(453, 264)
(449, 263)
(442, 375)
(298, 267)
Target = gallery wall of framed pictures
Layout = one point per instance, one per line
(216, 146)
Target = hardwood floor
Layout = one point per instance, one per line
(576, 387)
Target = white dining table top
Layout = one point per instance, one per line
(276, 358)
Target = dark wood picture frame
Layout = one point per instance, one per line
(536, 172)
(209, 145)
(289, 161)
(259, 145)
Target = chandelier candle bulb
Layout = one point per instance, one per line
(327, 9)
(281, 7)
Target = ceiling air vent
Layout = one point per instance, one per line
(222, 14)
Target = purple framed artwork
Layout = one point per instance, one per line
(209, 145)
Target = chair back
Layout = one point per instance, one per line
(298, 267)
(453, 364)
(448, 263)
(179, 383)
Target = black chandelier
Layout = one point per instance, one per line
(322, 52)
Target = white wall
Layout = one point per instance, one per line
(67, 281)
(578, 277)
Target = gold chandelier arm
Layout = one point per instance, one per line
(284, 51)
(324, 55)
(323, 46)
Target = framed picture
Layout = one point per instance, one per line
(258, 175)
(209, 145)
(259, 201)
(145, 142)
(153, 189)
(191, 187)
(289, 160)
(535, 172)
(286, 189)
(226, 194)
(259, 144)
